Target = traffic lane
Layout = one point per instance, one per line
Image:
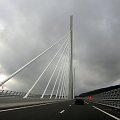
(84, 112)
(45, 112)
(56, 111)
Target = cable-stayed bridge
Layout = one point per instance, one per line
(56, 97)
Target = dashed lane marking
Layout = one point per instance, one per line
(86, 102)
(62, 111)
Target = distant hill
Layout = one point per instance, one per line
(99, 91)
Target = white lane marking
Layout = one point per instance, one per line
(11, 109)
(86, 102)
(70, 105)
(62, 111)
(106, 113)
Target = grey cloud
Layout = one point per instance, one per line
(31, 26)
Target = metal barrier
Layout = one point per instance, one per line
(109, 98)
(8, 93)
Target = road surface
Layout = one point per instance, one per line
(56, 111)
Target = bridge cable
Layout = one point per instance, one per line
(54, 71)
(44, 71)
(64, 86)
(58, 72)
(65, 73)
(56, 79)
(61, 88)
(65, 94)
(30, 62)
(63, 82)
(59, 85)
(63, 91)
(58, 75)
(59, 81)
(64, 77)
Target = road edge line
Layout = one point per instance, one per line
(106, 113)
(29, 106)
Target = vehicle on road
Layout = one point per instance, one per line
(79, 101)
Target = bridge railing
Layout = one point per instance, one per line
(8, 93)
(109, 98)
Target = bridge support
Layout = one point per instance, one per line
(71, 91)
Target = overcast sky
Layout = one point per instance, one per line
(27, 27)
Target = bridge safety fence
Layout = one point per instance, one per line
(109, 98)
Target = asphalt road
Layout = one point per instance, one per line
(55, 111)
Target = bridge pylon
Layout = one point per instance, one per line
(71, 88)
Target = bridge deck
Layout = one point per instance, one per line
(56, 111)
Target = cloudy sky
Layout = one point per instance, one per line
(27, 27)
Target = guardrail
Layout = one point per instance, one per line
(109, 98)
(8, 93)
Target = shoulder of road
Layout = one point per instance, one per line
(7, 102)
